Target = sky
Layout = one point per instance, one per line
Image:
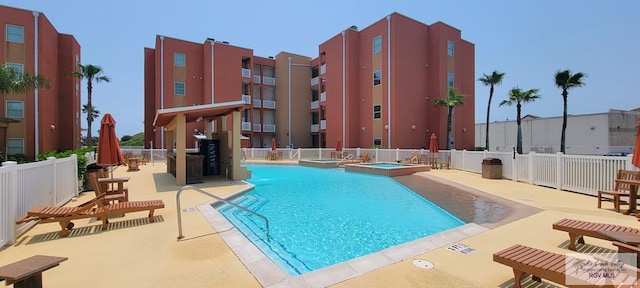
(528, 40)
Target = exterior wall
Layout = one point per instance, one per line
(58, 106)
(586, 134)
(300, 119)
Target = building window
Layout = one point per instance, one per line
(18, 67)
(15, 109)
(377, 142)
(377, 77)
(377, 111)
(178, 88)
(377, 44)
(179, 59)
(15, 146)
(15, 33)
(450, 79)
(450, 48)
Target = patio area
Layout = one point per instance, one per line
(136, 253)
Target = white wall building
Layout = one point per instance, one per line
(588, 134)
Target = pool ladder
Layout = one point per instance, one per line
(180, 236)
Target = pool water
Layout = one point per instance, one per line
(320, 217)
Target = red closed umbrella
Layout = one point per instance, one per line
(273, 144)
(109, 153)
(433, 143)
(636, 149)
(339, 145)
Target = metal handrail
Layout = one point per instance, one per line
(180, 236)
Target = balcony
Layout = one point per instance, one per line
(315, 128)
(269, 128)
(323, 124)
(256, 79)
(269, 80)
(269, 104)
(315, 104)
(323, 96)
(246, 126)
(315, 81)
(246, 99)
(257, 127)
(323, 69)
(257, 103)
(246, 73)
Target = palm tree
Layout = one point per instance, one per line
(12, 82)
(90, 73)
(450, 102)
(490, 80)
(517, 96)
(565, 80)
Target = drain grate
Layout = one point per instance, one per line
(424, 264)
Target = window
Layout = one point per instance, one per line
(178, 88)
(179, 59)
(377, 112)
(15, 33)
(15, 146)
(450, 48)
(15, 109)
(377, 142)
(18, 67)
(377, 44)
(450, 79)
(377, 77)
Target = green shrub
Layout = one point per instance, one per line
(82, 161)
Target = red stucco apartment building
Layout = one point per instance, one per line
(44, 119)
(371, 87)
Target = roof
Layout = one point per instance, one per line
(192, 113)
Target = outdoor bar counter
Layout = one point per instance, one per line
(194, 167)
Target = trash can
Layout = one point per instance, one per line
(91, 168)
(491, 168)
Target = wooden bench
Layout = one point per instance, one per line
(28, 272)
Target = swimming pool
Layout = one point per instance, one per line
(320, 217)
(386, 169)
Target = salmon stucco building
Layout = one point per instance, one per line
(371, 87)
(40, 120)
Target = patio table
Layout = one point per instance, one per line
(633, 194)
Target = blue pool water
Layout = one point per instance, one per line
(387, 165)
(320, 217)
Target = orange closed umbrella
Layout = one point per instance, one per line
(433, 143)
(636, 149)
(109, 153)
(273, 144)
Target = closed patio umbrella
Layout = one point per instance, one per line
(273, 144)
(339, 145)
(109, 153)
(433, 143)
(636, 149)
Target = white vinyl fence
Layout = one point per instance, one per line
(52, 182)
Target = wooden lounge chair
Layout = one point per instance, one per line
(413, 159)
(97, 207)
(554, 267)
(620, 189)
(578, 229)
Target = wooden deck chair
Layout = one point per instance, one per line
(577, 229)
(110, 195)
(121, 208)
(364, 157)
(64, 215)
(620, 189)
(413, 159)
(554, 267)
(447, 164)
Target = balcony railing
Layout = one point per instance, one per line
(315, 81)
(256, 79)
(269, 128)
(269, 80)
(246, 126)
(246, 99)
(269, 104)
(246, 73)
(315, 104)
(257, 103)
(315, 127)
(257, 127)
(323, 124)
(323, 96)
(323, 69)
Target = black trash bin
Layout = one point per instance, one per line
(91, 168)
(491, 168)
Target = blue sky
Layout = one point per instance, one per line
(529, 40)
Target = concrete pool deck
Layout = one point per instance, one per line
(135, 253)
